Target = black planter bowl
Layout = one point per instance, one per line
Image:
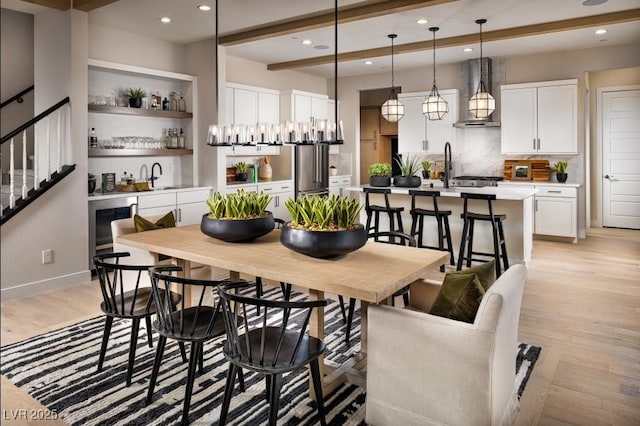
(323, 244)
(562, 177)
(235, 231)
(379, 180)
(407, 182)
(135, 102)
(242, 177)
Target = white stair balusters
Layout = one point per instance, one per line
(12, 195)
(24, 164)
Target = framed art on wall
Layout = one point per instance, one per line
(521, 171)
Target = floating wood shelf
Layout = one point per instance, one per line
(138, 152)
(139, 112)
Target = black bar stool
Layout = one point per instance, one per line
(442, 218)
(499, 244)
(373, 211)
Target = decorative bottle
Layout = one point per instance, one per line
(182, 104)
(93, 138)
(181, 139)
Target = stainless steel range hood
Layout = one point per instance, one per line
(472, 85)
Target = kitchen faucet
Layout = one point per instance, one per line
(153, 177)
(447, 163)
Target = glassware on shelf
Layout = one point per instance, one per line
(182, 104)
(173, 101)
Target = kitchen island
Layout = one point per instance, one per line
(516, 203)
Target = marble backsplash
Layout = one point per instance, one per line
(477, 153)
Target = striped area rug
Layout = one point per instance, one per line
(59, 370)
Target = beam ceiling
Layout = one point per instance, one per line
(325, 18)
(83, 5)
(496, 35)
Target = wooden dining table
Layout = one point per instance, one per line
(371, 274)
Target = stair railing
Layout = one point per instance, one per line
(52, 150)
(17, 97)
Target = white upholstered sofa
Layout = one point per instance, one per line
(428, 370)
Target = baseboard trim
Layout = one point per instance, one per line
(44, 286)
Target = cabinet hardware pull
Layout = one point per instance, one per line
(534, 144)
(538, 144)
(554, 192)
(536, 203)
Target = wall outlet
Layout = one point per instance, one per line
(47, 256)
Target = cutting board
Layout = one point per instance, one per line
(540, 170)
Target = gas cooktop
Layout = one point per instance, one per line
(475, 180)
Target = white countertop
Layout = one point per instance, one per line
(539, 183)
(501, 193)
(107, 196)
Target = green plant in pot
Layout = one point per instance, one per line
(242, 171)
(323, 226)
(426, 167)
(380, 174)
(408, 168)
(561, 171)
(135, 96)
(239, 216)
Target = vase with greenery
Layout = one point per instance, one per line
(408, 168)
(561, 171)
(242, 171)
(135, 95)
(323, 226)
(426, 167)
(238, 216)
(380, 174)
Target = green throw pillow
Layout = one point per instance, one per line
(486, 273)
(142, 224)
(459, 297)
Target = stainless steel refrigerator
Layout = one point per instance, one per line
(312, 169)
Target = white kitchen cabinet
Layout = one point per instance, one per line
(249, 105)
(299, 106)
(280, 192)
(418, 134)
(540, 118)
(556, 211)
(338, 185)
(187, 206)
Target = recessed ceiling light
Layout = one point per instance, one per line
(165, 20)
(204, 8)
(368, 63)
(601, 31)
(422, 21)
(593, 2)
(467, 49)
(306, 42)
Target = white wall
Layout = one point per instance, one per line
(51, 222)
(16, 73)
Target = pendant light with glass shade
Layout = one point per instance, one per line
(481, 104)
(435, 107)
(392, 109)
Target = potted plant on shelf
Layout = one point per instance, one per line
(426, 166)
(135, 96)
(333, 170)
(239, 216)
(242, 171)
(380, 174)
(408, 168)
(561, 171)
(323, 226)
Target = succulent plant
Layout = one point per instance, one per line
(409, 166)
(561, 166)
(318, 213)
(426, 165)
(136, 93)
(241, 167)
(238, 205)
(380, 169)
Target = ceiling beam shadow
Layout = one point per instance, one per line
(496, 35)
(325, 18)
(54, 4)
(89, 5)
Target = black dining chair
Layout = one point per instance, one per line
(393, 237)
(194, 323)
(269, 344)
(126, 294)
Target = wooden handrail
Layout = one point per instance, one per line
(17, 97)
(34, 120)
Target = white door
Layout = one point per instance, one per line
(621, 159)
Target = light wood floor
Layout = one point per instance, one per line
(581, 305)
